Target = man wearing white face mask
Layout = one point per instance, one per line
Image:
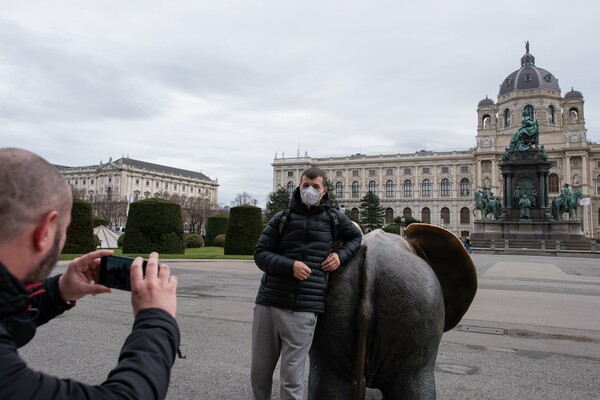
(296, 251)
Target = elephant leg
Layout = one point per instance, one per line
(325, 383)
(417, 385)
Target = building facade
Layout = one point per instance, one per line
(128, 180)
(438, 187)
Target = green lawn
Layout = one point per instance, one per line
(190, 254)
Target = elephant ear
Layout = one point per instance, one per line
(454, 268)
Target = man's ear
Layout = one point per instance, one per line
(45, 230)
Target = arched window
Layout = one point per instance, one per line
(354, 214)
(426, 188)
(573, 115)
(465, 187)
(426, 215)
(389, 216)
(553, 186)
(486, 121)
(445, 215)
(507, 118)
(373, 187)
(355, 191)
(408, 188)
(465, 216)
(551, 115)
(339, 190)
(529, 110)
(389, 189)
(290, 187)
(407, 212)
(445, 187)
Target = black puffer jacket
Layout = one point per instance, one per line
(145, 361)
(308, 237)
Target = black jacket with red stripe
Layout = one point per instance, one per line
(145, 362)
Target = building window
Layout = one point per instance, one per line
(407, 212)
(290, 174)
(597, 166)
(408, 189)
(426, 188)
(486, 122)
(389, 216)
(426, 170)
(528, 110)
(573, 115)
(445, 170)
(553, 186)
(355, 191)
(445, 187)
(84, 181)
(507, 118)
(464, 169)
(372, 172)
(598, 184)
(355, 172)
(92, 182)
(290, 187)
(354, 214)
(445, 215)
(137, 181)
(389, 189)
(373, 187)
(339, 189)
(174, 186)
(338, 173)
(465, 216)
(465, 187)
(109, 180)
(551, 115)
(147, 184)
(156, 185)
(389, 171)
(407, 171)
(554, 163)
(426, 215)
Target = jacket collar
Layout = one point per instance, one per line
(13, 296)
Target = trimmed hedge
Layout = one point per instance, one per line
(80, 234)
(97, 221)
(219, 240)
(244, 229)
(194, 241)
(154, 225)
(215, 225)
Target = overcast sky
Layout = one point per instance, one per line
(222, 86)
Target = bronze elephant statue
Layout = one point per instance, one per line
(386, 311)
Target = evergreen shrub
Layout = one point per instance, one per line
(219, 240)
(80, 234)
(154, 225)
(243, 231)
(194, 241)
(97, 221)
(215, 225)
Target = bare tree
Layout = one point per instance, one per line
(243, 198)
(112, 209)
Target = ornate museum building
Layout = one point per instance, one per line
(438, 187)
(130, 180)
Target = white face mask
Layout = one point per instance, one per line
(310, 196)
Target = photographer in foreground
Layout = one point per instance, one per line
(35, 211)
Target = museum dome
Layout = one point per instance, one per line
(528, 77)
(574, 94)
(485, 102)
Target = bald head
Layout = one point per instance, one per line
(30, 187)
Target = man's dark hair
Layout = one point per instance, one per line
(312, 173)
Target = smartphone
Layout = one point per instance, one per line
(115, 272)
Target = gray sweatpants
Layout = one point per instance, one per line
(278, 331)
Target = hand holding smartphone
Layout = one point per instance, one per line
(115, 272)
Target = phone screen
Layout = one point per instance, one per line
(115, 272)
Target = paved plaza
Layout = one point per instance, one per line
(532, 332)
